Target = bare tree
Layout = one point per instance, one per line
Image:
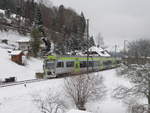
(139, 50)
(50, 103)
(139, 76)
(84, 88)
(138, 73)
(134, 106)
(100, 41)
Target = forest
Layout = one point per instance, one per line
(62, 26)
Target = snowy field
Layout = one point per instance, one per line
(18, 99)
(12, 37)
(11, 69)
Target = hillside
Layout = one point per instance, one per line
(60, 25)
(9, 68)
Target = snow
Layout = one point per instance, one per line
(2, 11)
(18, 99)
(13, 15)
(77, 111)
(11, 69)
(16, 52)
(23, 40)
(109, 104)
(12, 37)
(100, 51)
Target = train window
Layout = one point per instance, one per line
(109, 62)
(70, 64)
(83, 64)
(91, 63)
(60, 64)
(96, 63)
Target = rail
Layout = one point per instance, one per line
(21, 82)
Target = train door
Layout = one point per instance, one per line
(77, 65)
(101, 66)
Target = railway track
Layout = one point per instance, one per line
(27, 81)
(39, 80)
(21, 82)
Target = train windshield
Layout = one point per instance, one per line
(50, 65)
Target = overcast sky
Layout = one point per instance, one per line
(116, 20)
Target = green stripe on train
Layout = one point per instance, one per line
(78, 58)
(52, 57)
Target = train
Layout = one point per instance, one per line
(56, 66)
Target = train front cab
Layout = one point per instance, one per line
(49, 67)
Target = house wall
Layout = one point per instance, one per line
(17, 58)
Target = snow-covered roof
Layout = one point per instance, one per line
(2, 11)
(16, 52)
(13, 15)
(99, 51)
(24, 40)
(77, 111)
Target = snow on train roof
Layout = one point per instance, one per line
(99, 51)
(77, 111)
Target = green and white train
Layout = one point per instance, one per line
(55, 66)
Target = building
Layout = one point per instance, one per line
(16, 56)
(97, 51)
(24, 44)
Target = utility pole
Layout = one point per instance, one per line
(87, 46)
(124, 47)
(115, 51)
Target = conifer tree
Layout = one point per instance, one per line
(91, 42)
(38, 18)
(39, 21)
(35, 42)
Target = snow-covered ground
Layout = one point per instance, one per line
(18, 99)
(77, 111)
(9, 68)
(12, 37)
(109, 104)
